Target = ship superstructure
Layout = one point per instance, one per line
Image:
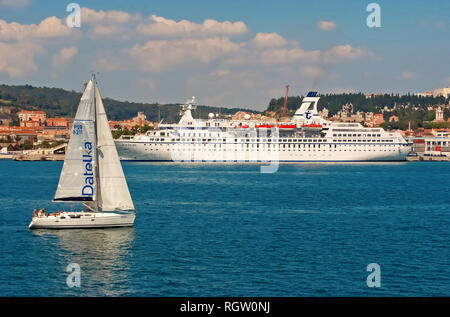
(307, 137)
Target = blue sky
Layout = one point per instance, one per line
(162, 51)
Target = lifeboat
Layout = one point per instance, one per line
(267, 126)
(287, 126)
(241, 126)
(312, 125)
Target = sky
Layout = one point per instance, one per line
(234, 53)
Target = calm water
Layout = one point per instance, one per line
(227, 230)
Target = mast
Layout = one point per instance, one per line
(284, 110)
(97, 171)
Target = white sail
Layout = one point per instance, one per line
(77, 182)
(113, 190)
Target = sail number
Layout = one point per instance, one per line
(77, 129)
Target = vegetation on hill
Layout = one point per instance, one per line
(334, 102)
(58, 102)
(62, 103)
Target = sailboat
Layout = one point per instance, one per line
(91, 175)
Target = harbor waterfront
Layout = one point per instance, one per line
(309, 229)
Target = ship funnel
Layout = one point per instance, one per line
(308, 110)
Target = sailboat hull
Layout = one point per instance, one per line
(81, 220)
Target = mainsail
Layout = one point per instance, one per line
(78, 176)
(113, 189)
(92, 172)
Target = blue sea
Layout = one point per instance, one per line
(229, 230)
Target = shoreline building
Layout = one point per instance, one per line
(140, 120)
(424, 94)
(445, 92)
(57, 122)
(31, 118)
(439, 115)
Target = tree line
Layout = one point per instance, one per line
(57, 102)
(333, 102)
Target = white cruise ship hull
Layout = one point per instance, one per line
(143, 151)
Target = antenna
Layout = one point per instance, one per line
(93, 74)
(190, 104)
(159, 113)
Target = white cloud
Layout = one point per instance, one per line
(15, 4)
(108, 32)
(313, 71)
(147, 83)
(158, 55)
(326, 25)
(17, 59)
(63, 57)
(50, 27)
(22, 42)
(91, 16)
(220, 66)
(107, 62)
(161, 26)
(220, 73)
(225, 91)
(282, 56)
(346, 52)
(407, 75)
(104, 30)
(269, 39)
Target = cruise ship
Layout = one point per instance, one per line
(306, 138)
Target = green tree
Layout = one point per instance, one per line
(27, 145)
(145, 128)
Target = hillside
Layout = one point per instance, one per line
(58, 102)
(334, 103)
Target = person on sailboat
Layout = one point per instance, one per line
(35, 214)
(42, 212)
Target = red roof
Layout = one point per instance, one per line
(56, 119)
(14, 129)
(32, 111)
(25, 132)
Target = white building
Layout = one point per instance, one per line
(439, 115)
(442, 92)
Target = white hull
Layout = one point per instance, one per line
(79, 220)
(130, 150)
